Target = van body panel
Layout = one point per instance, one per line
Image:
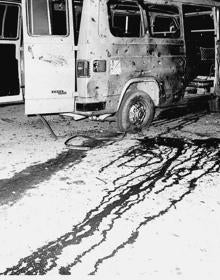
(127, 58)
(161, 60)
(52, 77)
(149, 85)
(92, 47)
(49, 63)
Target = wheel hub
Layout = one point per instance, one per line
(137, 114)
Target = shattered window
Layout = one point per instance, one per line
(124, 19)
(47, 17)
(9, 21)
(163, 21)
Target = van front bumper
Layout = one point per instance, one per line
(94, 107)
(90, 107)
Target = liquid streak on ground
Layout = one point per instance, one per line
(152, 177)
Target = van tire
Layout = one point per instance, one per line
(135, 112)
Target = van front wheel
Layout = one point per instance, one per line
(135, 112)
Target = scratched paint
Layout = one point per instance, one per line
(54, 60)
(156, 175)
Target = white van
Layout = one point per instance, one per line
(99, 58)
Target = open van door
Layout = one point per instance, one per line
(49, 59)
(11, 82)
(217, 61)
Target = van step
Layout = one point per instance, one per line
(197, 91)
(199, 86)
(200, 83)
(191, 90)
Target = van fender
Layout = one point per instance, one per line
(149, 85)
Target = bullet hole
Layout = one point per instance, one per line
(108, 53)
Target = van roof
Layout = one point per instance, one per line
(11, 1)
(199, 2)
(193, 2)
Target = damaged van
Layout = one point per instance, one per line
(104, 58)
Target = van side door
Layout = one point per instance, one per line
(166, 48)
(217, 51)
(49, 60)
(200, 41)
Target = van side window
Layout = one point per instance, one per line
(2, 11)
(199, 25)
(163, 21)
(9, 21)
(47, 17)
(124, 19)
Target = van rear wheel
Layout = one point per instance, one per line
(136, 112)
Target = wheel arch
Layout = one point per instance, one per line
(149, 85)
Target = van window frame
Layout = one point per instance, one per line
(200, 14)
(28, 20)
(76, 21)
(142, 23)
(2, 38)
(165, 15)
